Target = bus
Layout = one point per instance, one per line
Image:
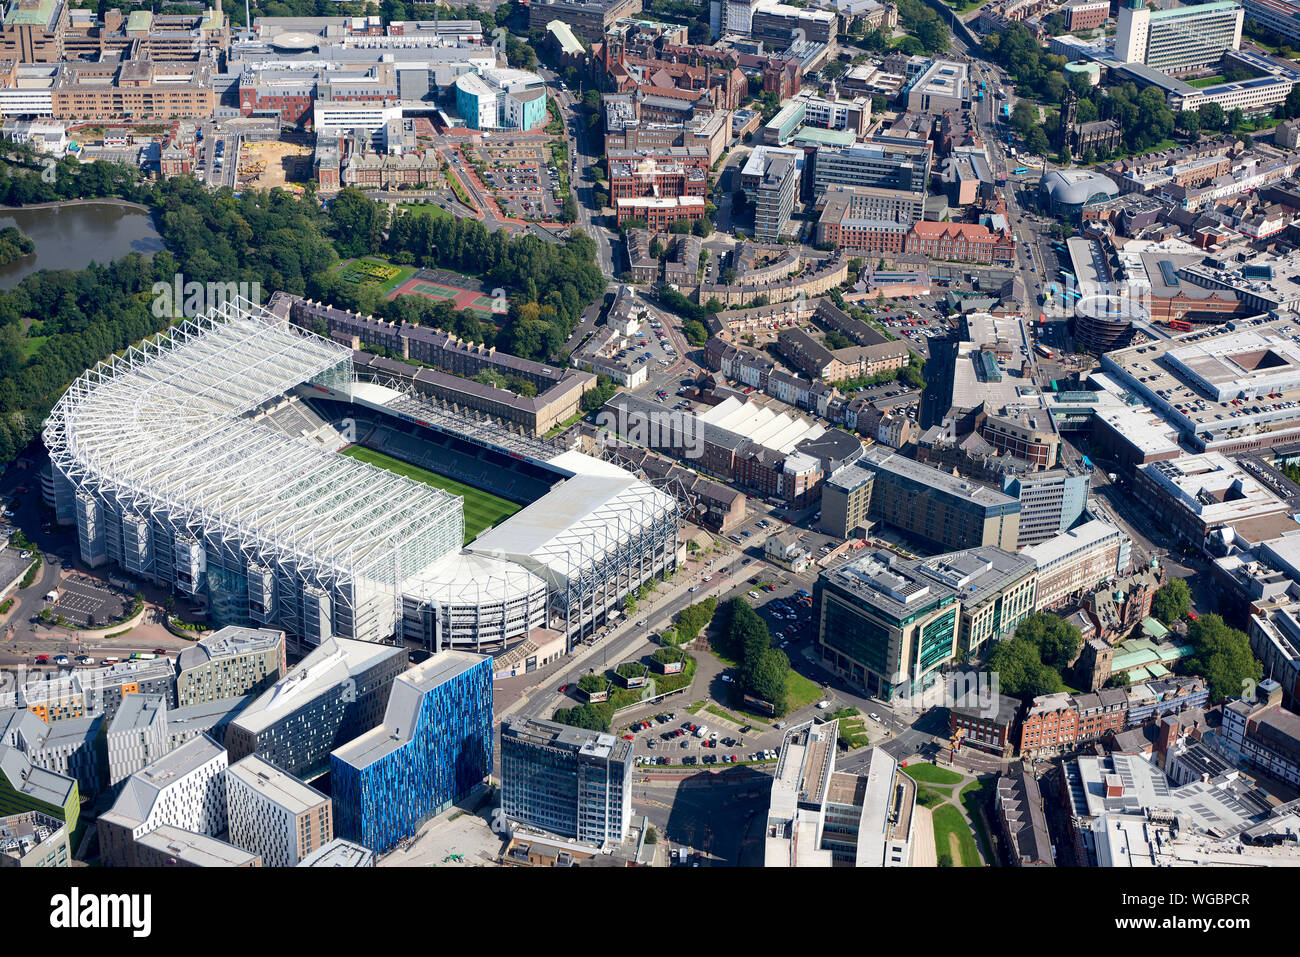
(145, 656)
(1021, 171)
(1043, 351)
(1180, 325)
(1006, 111)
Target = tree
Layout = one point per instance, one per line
(1056, 640)
(1212, 116)
(358, 223)
(1119, 679)
(651, 836)
(767, 678)
(1021, 672)
(1173, 601)
(1222, 657)
(1189, 121)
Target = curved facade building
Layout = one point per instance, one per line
(1104, 321)
(176, 484)
(501, 99)
(1068, 191)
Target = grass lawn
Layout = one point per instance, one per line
(1205, 81)
(952, 836)
(482, 509)
(403, 272)
(428, 209)
(929, 774)
(800, 691)
(32, 344)
(696, 708)
(973, 797)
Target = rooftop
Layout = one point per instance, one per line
(325, 669)
(272, 784)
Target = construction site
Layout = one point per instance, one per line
(270, 164)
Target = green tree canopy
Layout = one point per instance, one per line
(1222, 656)
(1172, 601)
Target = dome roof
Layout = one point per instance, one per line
(1074, 187)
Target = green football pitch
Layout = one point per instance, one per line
(482, 509)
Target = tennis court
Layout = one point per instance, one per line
(460, 298)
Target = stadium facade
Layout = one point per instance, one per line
(206, 460)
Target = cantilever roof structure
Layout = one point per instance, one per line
(165, 427)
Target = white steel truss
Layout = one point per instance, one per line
(163, 429)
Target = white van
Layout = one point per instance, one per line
(701, 731)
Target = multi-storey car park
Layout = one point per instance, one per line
(207, 460)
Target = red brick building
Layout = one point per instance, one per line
(961, 242)
(1057, 722)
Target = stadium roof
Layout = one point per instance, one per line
(585, 519)
(165, 425)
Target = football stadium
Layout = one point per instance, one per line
(243, 462)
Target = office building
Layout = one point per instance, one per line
(1077, 561)
(25, 787)
(1180, 39)
(883, 626)
(274, 815)
(937, 507)
(1280, 16)
(942, 88)
(87, 692)
(820, 817)
(33, 839)
(989, 729)
(137, 736)
(1262, 735)
(229, 663)
(869, 218)
(339, 853)
(1055, 723)
(335, 694)
(997, 590)
(891, 163)
(433, 748)
(566, 781)
(846, 502)
(1050, 502)
(779, 24)
(185, 788)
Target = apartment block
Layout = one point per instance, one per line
(937, 507)
(231, 662)
(33, 839)
(433, 748)
(274, 815)
(136, 737)
(335, 694)
(25, 787)
(185, 789)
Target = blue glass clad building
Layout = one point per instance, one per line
(434, 747)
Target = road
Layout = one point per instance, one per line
(585, 152)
